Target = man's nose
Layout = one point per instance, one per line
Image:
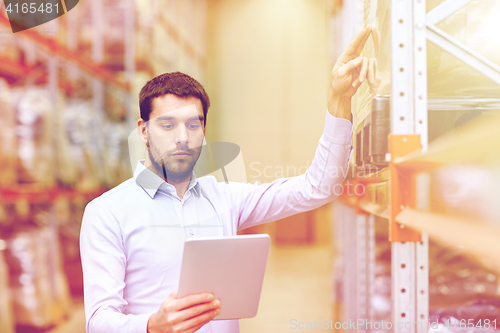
(181, 134)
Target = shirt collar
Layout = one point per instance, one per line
(151, 182)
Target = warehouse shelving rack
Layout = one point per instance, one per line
(401, 192)
(179, 45)
(56, 56)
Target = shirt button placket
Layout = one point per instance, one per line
(191, 230)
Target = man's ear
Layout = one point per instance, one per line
(142, 129)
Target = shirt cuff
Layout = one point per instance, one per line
(140, 323)
(338, 130)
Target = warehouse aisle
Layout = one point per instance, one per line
(297, 286)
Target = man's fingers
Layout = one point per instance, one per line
(358, 39)
(196, 310)
(356, 45)
(353, 50)
(364, 70)
(190, 300)
(362, 43)
(194, 314)
(344, 70)
(198, 321)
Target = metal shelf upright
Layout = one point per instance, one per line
(401, 192)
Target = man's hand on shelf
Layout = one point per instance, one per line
(349, 72)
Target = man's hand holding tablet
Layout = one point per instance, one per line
(184, 315)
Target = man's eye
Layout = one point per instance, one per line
(168, 126)
(194, 126)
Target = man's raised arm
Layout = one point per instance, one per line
(261, 203)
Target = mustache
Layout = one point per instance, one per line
(182, 149)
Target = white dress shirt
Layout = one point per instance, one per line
(132, 237)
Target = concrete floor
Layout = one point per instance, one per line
(297, 285)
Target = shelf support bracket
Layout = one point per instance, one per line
(462, 52)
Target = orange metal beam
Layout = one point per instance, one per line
(402, 186)
(60, 50)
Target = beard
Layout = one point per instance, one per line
(170, 168)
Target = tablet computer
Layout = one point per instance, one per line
(232, 268)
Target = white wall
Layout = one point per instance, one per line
(267, 78)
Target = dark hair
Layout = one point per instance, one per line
(178, 84)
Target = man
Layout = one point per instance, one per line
(132, 236)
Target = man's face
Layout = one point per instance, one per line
(175, 133)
